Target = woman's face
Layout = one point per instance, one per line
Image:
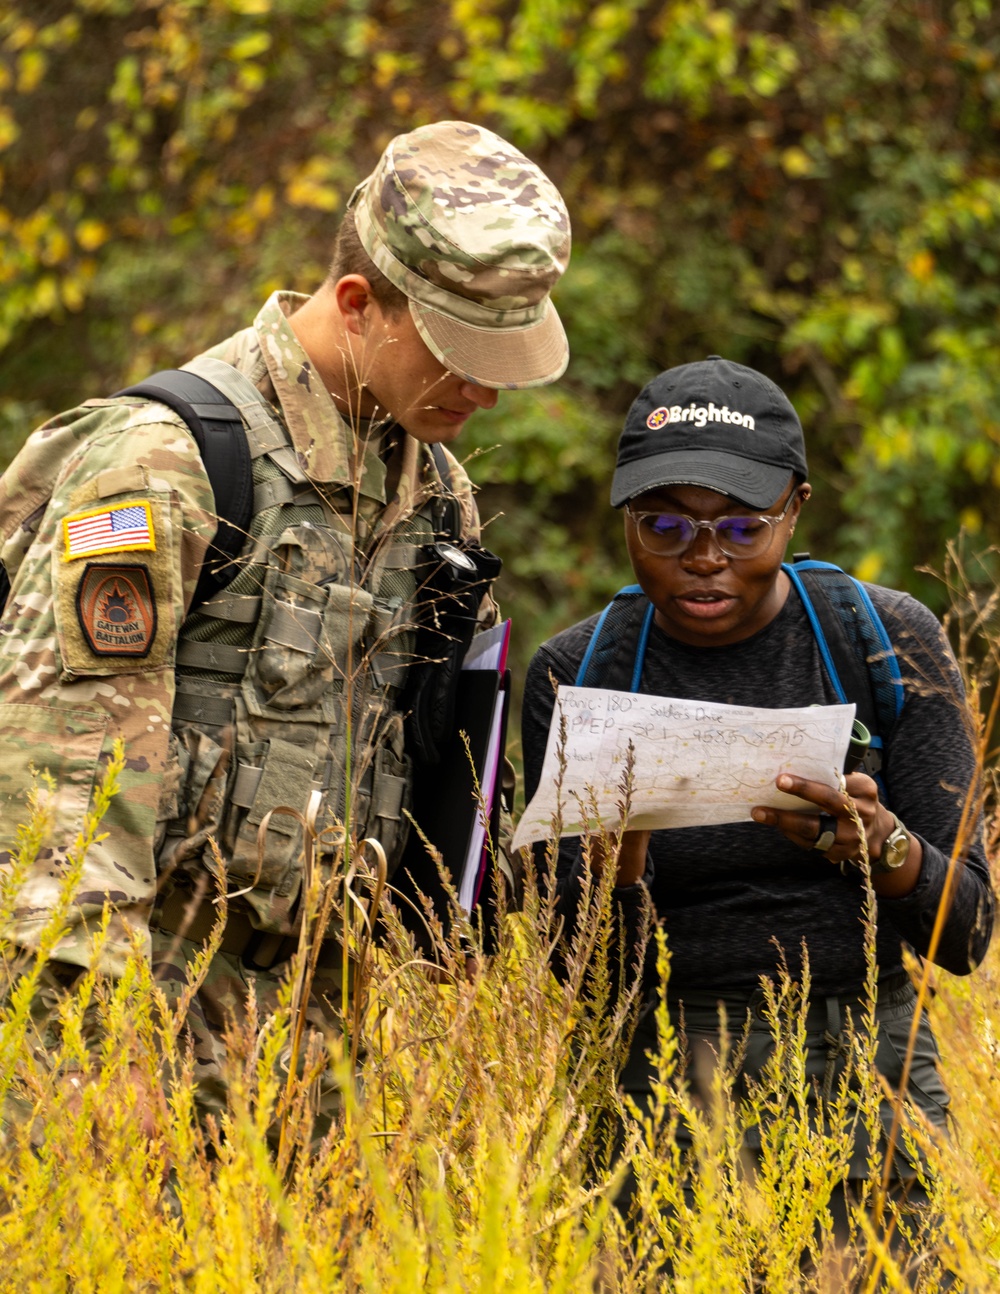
(702, 596)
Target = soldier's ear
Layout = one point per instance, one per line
(353, 296)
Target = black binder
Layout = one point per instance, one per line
(446, 806)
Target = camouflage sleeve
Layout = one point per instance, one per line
(87, 647)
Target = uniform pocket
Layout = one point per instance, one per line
(925, 1090)
(67, 744)
(308, 643)
(387, 819)
(381, 794)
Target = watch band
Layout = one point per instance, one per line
(895, 850)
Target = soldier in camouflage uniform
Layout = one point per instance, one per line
(437, 297)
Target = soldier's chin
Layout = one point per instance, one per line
(433, 426)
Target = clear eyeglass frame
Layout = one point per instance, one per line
(756, 543)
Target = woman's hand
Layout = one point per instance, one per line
(835, 821)
(631, 857)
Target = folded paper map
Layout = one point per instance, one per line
(696, 763)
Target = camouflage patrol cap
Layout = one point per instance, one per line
(475, 235)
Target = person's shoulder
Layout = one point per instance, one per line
(901, 611)
(557, 660)
(84, 450)
(133, 445)
(126, 427)
(923, 653)
(458, 482)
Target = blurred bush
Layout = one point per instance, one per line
(813, 190)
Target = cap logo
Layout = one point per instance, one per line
(658, 417)
(700, 414)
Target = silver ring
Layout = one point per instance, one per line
(827, 832)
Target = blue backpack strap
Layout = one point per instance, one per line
(611, 635)
(856, 651)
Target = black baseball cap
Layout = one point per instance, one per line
(713, 423)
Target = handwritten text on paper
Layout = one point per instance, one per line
(696, 762)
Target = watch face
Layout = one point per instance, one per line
(895, 849)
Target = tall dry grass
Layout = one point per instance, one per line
(474, 1145)
(464, 1155)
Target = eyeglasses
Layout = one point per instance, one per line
(669, 534)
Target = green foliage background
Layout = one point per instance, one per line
(812, 189)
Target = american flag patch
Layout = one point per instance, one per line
(123, 528)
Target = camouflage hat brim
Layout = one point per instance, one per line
(510, 359)
(476, 236)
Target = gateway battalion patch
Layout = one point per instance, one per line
(116, 609)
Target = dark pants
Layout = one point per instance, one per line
(826, 1051)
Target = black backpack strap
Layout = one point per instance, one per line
(448, 510)
(856, 651)
(217, 427)
(617, 647)
(457, 574)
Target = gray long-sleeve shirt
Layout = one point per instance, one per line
(731, 895)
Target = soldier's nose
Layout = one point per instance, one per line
(484, 396)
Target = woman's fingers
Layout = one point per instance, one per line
(833, 827)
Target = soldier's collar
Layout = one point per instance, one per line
(327, 444)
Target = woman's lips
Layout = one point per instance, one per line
(706, 606)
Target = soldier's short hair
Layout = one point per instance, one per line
(350, 257)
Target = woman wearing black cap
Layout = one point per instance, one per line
(711, 473)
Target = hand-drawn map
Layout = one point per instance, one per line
(695, 762)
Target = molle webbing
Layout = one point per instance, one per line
(215, 639)
(293, 671)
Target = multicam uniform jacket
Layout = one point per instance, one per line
(245, 704)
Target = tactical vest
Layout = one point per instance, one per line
(287, 682)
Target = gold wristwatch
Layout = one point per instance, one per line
(894, 851)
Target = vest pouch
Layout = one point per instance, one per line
(269, 775)
(200, 766)
(308, 642)
(391, 800)
(391, 642)
(383, 796)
